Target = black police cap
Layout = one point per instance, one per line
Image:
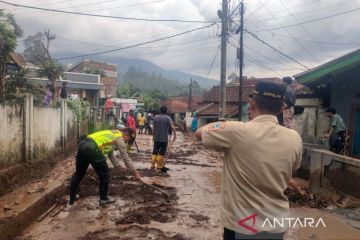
(270, 90)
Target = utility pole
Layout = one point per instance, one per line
(241, 59)
(190, 95)
(224, 39)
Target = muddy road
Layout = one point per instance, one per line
(140, 212)
(191, 211)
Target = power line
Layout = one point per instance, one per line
(310, 21)
(113, 46)
(212, 62)
(138, 44)
(286, 30)
(303, 27)
(102, 9)
(249, 58)
(275, 49)
(266, 57)
(272, 60)
(103, 16)
(320, 42)
(301, 13)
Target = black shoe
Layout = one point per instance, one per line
(72, 200)
(106, 201)
(164, 169)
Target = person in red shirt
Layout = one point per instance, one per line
(108, 104)
(131, 120)
(131, 124)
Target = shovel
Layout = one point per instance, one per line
(168, 153)
(165, 193)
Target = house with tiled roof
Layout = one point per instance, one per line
(208, 109)
(178, 106)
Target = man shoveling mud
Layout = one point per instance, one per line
(93, 150)
(260, 157)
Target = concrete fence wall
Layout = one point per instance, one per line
(11, 134)
(325, 169)
(28, 133)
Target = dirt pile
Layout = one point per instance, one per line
(319, 201)
(160, 213)
(132, 232)
(122, 186)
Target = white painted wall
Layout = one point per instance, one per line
(11, 134)
(47, 130)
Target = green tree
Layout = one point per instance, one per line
(37, 51)
(127, 91)
(10, 31)
(96, 71)
(19, 82)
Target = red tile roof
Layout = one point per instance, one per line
(232, 94)
(175, 106)
(212, 109)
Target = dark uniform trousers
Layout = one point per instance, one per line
(160, 148)
(231, 235)
(89, 153)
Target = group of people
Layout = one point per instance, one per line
(261, 156)
(94, 148)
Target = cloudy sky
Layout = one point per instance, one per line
(310, 44)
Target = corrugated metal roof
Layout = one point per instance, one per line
(333, 67)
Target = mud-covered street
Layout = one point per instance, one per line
(191, 211)
(140, 212)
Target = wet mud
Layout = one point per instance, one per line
(199, 217)
(319, 201)
(132, 232)
(345, 180)
(122, 185)
(144, 215)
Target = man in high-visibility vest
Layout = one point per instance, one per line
(93, 150)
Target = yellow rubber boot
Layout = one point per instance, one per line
(160, 162)
(153, 161)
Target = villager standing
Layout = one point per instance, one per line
(63, 92)
(260, 157)
(108, 104)
(131, 123)
(163, 126)
(141, 123)
(48, 95)
(93, 150)
(286, 118)
(149, 123)
(338, 134)
(194, 123)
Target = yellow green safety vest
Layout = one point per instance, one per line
(105, 140)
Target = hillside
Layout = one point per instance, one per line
(145, 81)
(183, 78)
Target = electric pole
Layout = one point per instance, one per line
(190, 95)
(224, 39)
(241, 59)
